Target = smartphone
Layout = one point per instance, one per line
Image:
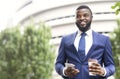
(69, 65)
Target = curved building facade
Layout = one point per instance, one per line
(60, 16)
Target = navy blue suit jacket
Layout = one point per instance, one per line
(100, 50)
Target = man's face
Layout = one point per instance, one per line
(83, 19)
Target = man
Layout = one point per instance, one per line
(78, 48)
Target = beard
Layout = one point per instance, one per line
(83, 29)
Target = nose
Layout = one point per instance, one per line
(82, 17)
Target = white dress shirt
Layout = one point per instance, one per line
(88, 40)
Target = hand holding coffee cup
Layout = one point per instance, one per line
(92, 67)
(95, 68)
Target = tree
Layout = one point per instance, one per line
(116, 6)
(26, 54)
(115, 40)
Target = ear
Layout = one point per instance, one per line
(92, 16)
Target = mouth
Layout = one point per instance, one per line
(83, 23)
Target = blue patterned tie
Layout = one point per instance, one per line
(81, 48)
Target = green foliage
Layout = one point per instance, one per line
(26, 54)
(116, 6)
(115, 40)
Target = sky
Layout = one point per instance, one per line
(7, 10)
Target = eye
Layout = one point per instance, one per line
(86, 15)
(78, 16)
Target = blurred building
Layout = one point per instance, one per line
(60, 16)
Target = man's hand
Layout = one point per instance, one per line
(96, 69)
(71, 71)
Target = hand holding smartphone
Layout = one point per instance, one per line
(70, 70)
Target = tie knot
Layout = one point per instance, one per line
(83, 34)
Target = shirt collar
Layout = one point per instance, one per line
(88, 33)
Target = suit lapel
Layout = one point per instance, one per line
(73, 36)
(71, 44)
(95, 37)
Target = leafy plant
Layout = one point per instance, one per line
(26, 54)
(116, 6)
(115, 40)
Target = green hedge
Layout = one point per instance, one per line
(115, 40)
(26, 53)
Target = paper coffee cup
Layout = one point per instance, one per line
(90, 62)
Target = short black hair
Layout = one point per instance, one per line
(84, 7)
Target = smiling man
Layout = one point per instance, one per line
(83, 18)
(78, 48)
